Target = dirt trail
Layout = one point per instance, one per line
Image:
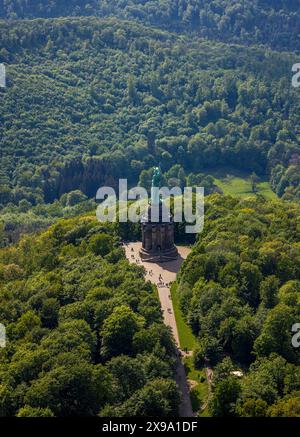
(162, 275)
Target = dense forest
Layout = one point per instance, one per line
(24, 219)
(85, 329)
(239, 291)
(270, 22)
(86, 333)
(90, 101)
(99, 90)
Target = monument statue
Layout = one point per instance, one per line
(156, 180)
(157, 234)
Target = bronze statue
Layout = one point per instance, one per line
(156, 180)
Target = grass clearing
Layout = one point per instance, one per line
(186, 337)
(199, 393)
(238, 184)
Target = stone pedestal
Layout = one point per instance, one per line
(158, 239)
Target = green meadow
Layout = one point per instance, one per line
(199, 392)
(238, 184)
(186, 337)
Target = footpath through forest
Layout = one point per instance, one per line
(162, 275)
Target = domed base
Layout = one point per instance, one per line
(159, 257)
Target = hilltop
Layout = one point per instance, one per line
(274, 23)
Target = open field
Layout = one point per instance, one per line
(237, 184)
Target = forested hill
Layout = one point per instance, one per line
(239, 290)
(90, 100)
(85, 330)
(270, 22)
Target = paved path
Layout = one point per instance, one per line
(162, 275)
